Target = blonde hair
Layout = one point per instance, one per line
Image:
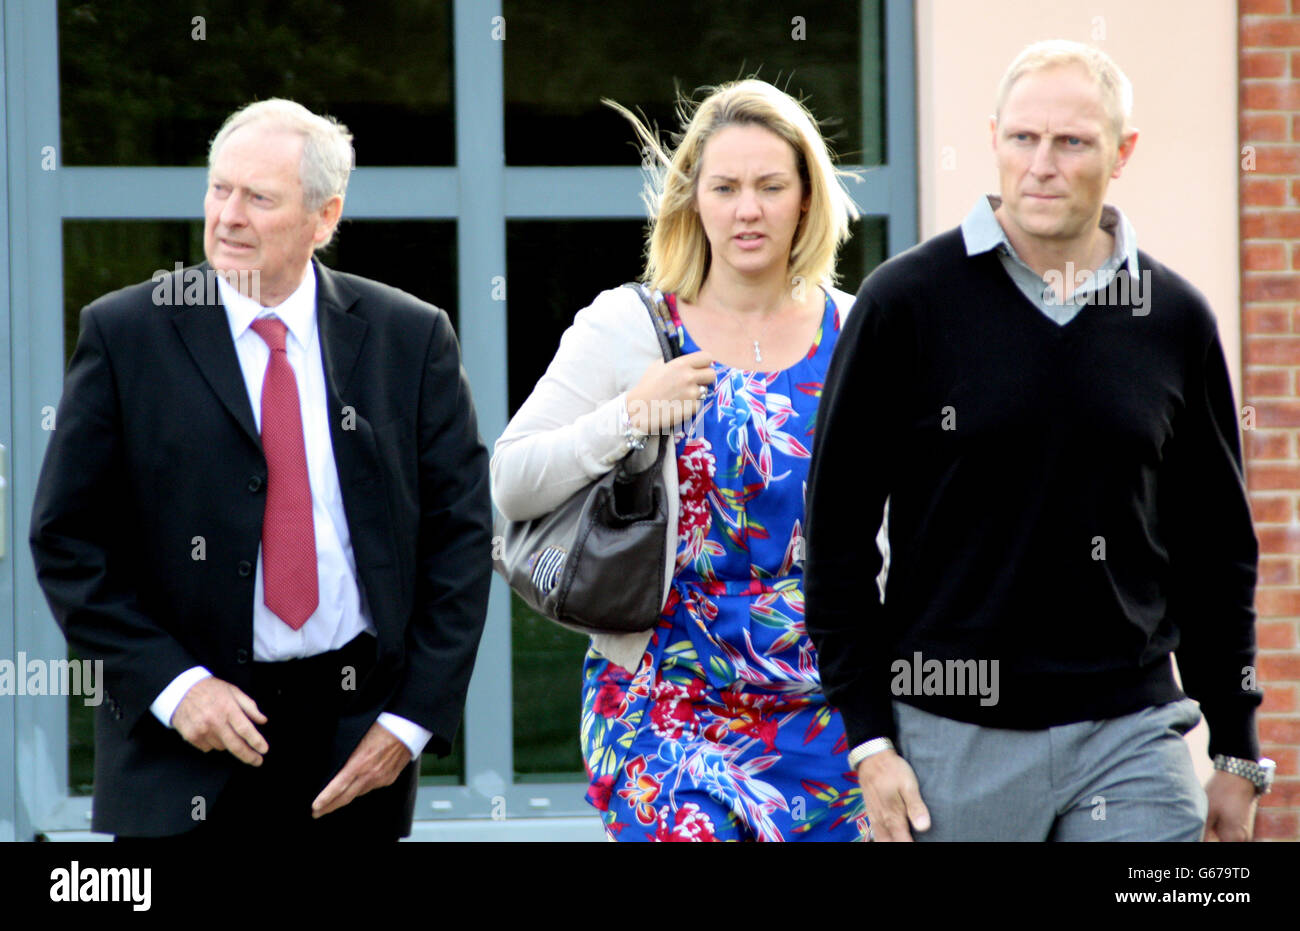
(1116, 89)
(677, 253)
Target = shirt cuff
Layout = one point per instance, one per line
(164, 706)
(408, 732)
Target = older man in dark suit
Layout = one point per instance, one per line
(265, 508)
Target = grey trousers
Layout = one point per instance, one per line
(1123, 779)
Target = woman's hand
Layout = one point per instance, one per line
(669, 392)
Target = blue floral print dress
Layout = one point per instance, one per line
(722, 732)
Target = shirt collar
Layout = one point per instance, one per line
(982, 232)
(297, 311)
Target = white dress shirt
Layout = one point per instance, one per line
(341, 613)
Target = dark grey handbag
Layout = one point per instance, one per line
(595, 564)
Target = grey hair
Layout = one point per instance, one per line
(1116, 89)
(327, 154)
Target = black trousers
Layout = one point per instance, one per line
(303, 701)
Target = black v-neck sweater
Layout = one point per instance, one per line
(1064, 500)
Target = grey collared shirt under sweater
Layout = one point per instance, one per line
(982, 232)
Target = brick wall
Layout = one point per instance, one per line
(1269, 39)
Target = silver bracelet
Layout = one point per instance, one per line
(1259, 772)
(633, 437)
(870, 748)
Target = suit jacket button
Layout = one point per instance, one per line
(255, 484)
(245, 568)
(241, 656)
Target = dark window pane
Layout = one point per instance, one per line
(863, 252)
(102, 255)
(546, 662)
(138, 88)
(556, 268)
(449, 771)
(562, 57)
(418, 256)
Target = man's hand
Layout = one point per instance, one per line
(1232, 808)
(215, 715)
(376, 762)
(892, 797)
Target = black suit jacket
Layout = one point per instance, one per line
(155, 461)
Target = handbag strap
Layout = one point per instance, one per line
(661, 317)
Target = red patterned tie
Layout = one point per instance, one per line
(288, 533)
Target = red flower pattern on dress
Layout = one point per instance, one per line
(673, 713)
(600, 792)
(610, 701)
(690, 824)
(695, 470)
(747, 714)
(642, 789)
(744, 721)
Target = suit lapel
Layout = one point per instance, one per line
(356, 452)
(341, 332)
(205, 330)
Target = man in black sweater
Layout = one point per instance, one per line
(1047, 412)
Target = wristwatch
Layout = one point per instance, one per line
(1259, 773)
(870, 748)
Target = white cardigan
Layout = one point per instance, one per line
(568, 433)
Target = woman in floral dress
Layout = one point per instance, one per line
(713, 726)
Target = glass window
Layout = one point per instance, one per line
(417, 256)
(546, 662)
(555, 268)
(103, 255)
(448, 771)
(867, 249)
(561, 58)
(383, 69)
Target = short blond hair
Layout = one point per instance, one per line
(678, 254)
(1116, 89)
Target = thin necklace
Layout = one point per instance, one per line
(758, 352)
(762, 334)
